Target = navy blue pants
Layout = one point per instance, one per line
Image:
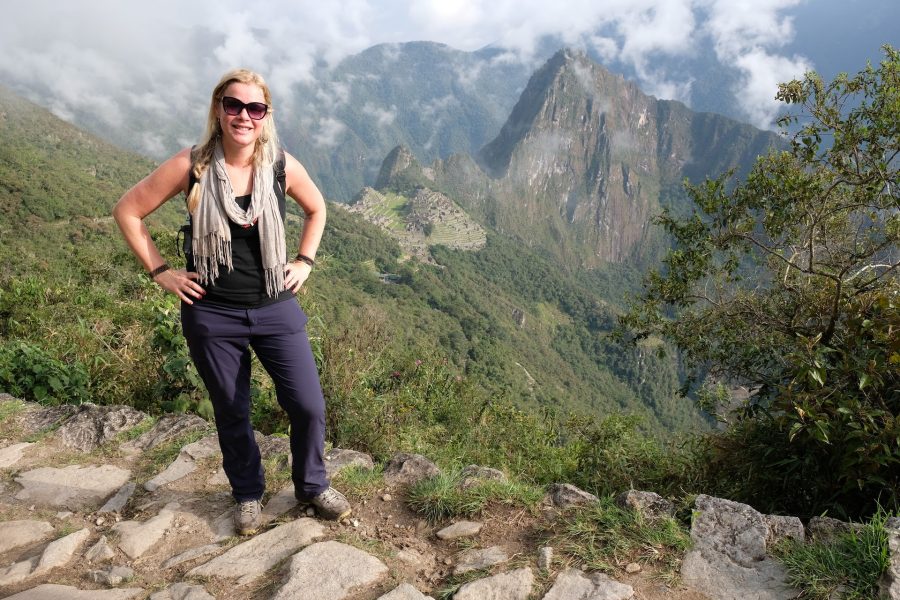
(219, 340)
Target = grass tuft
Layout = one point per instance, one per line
(847, 566)
(605, 537)
(441, 497)
(358, 483)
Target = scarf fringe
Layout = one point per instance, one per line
(212, 234)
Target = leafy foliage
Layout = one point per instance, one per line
(788, 283)
(29, 372)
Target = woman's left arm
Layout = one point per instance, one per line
(301, 188)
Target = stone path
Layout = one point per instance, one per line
(100, 503)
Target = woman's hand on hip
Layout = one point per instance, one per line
(295, 273)
(181, 283)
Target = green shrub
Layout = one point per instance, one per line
(31, 373)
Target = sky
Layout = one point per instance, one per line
(108, 57)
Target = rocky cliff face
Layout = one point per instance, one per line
(582, 160)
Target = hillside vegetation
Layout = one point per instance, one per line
(497, 355)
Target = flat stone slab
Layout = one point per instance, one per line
(313, 574)
(73, 487)
(183, 591)
(247, 561)
(118, 502)
(15, 534)
(51, 591)
(460, 530)
(17, 572)
(479, 558)
(191, 554)
(59, 552)
(513, 585)
(279, 504)
(405, 591)
(186, 463)
(100, 551)
(137, 537)
(572, 584)
(12, 454)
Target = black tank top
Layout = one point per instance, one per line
(245, 285)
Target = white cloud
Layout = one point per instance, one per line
(382, 116)
(329, 132)
(111, 58)
(746, 34)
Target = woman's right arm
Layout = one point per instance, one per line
(150, 193)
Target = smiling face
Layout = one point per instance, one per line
(240, 130)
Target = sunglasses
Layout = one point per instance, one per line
(233, 107)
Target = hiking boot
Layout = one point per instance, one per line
(330, 504)
(247, 517)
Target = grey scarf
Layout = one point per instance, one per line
(212, 236)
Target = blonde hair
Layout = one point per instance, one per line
(266, 145)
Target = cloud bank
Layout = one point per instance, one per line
(106, 58)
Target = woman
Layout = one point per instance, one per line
(238, 290)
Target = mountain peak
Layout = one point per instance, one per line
(399, 161)
(563, 87)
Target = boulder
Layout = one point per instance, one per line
(889, 585)
(251, 559)
(166, 429)
(823, 529)
(647, 504)
(12, 454)
(38, 419)
(186, 462)
(15, 534)
(338, 459)
(183, 591)
(136, 538)
(94, 425)
(405, 592)
(52, 591)
(406, 468)
(460, 529)
(728, 560)
(474, 474)
(564, 495)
